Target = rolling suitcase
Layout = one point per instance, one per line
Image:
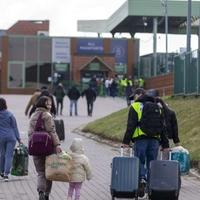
(183, 157)
(125, 177)
(60, 129)
(164, 180)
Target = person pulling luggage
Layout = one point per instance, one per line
(145, 129)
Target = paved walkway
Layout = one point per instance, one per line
(24, 188)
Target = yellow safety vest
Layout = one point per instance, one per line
(124, 82)
(137, 106)
(141, 82)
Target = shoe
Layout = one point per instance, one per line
(5, 178)
(142, 187)
(46, 197)
(2, 175)
(41, 196)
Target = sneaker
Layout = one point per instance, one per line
(2, 175)
(41, 196)
(142, 186)
(46, 197)
(5, 178)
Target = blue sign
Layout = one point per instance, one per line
(90, 46)
(120, 48)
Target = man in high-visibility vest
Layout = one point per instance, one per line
(145, 147)
(141, 82)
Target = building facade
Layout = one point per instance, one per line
(31, 61)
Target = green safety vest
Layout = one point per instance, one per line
(137, 106)
(141, 82)
(123, 82)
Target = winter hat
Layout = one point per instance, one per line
(152, 93)
(137, 91)
(77, 146)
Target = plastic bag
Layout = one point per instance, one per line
(20, 161)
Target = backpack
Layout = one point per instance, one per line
(152, 120)
(40, 143)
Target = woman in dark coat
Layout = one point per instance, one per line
(171, 122)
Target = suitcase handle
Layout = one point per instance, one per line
(122, 151)
(170, 155)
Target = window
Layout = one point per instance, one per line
(15, 75)
(31, 70)
(31, 49)
(16, 49)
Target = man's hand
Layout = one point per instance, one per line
(165, 149)
(125, 145)
(177, 144)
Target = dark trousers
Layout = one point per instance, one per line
(43, 184)
(146, 150)
(59, 103)
(90, 107)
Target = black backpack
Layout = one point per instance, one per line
(152, 119)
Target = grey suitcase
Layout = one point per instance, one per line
(60, 128)
(164, 180)
(124, 177)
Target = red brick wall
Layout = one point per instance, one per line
(164, 83)
(29, 27)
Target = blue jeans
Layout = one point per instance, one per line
(6, 155)
(146, 150)
(73, 103)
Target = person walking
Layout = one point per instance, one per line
(9, 134)
(44, 92)
(59, 94)
(90, 95)
(145, 146)
(169, 117)
(128, 93)
(81, 169)
(43, 106)
(32, 101)
(73, 95)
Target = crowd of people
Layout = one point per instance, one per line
(146, 147)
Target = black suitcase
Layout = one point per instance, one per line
(60, 129)
(164, 180)
(124, 177)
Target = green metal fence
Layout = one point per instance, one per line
(186, 73)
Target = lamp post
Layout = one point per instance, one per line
(165, 5)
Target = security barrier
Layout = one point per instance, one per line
(186, 73)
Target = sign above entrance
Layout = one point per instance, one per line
(90, 46)
(61, 50)
(120, 48)
(121, 68)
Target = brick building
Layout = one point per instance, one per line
(31, 59)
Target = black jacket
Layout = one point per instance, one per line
(73, 94)
(172, 125)
(90, 95)
(133, 122)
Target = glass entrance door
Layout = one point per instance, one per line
(15, 75)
